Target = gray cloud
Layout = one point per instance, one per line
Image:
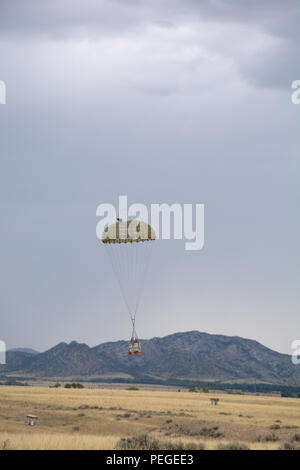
(270, 26)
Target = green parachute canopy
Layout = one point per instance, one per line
(128, 232)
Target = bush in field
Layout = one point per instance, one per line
(132, 388)
(288, 446)
(143, 441)
(211, 432)
(267, 438)
(275, 427)
(77, 385)
(296, 437)
(233, 446)
(5, 445)
(270, 437)
(74, 385)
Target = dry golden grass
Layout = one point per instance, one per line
(97, 418)
(27, 441)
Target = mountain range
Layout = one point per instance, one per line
(190, 356)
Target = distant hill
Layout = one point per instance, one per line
(191, 355)
(25, 350)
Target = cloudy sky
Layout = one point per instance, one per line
(163, 101)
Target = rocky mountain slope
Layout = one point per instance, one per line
(191, 355)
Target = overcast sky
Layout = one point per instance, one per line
(163, 101)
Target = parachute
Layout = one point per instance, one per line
(129, 245)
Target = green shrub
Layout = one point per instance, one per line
(132, 388)
(55, 386)
(77, 385)
(74, 385)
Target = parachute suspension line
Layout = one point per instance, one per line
(143, 277)
(121, 255)
(114, 261)
(134, 335)
(130, 263)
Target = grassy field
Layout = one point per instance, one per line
(98, 418)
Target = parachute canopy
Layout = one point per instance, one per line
(128, 232)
